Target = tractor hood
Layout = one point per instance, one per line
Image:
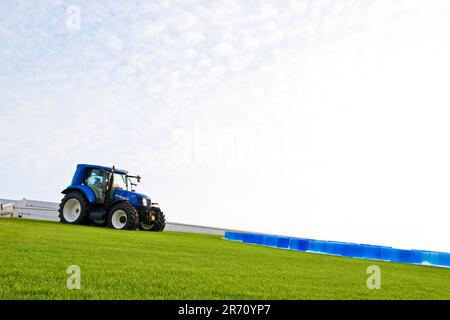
(133, 197)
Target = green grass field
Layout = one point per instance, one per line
(34, 256)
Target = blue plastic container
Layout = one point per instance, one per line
(253, 238)
(389, 254)
(318, 246)
(404, 256)
(444, 259)
(352, 250)
(334, 247)
(416, 256)
(299, 244)
(231, 235)
(270, 241)
(430, 257)
(283, 242)
(372, 252)
(347, 250)
(259, 239)
(249, 238)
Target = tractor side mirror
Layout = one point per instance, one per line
(138, 179)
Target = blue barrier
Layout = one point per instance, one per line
(283, 242)
(404, 256)
(430, 257)
(253, 238)
(270, 241)
(352, 250)
(334, 248)
(344, 249)
(259, 239)
(372, 252)
(318, 246)
(237, 236)
(299, 244)
(416, 256)
(444, 259)
(388, 254)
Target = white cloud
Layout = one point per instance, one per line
(111, 41)
(224, 49)
(269, 11)
(194, 38)
(298, 7)
(152, 29)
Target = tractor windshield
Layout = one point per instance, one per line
(120, 182)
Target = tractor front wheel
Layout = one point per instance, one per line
(74, 209)
(159, 222)
(123, 216)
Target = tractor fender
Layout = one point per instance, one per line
(85, 190)
(113, 203)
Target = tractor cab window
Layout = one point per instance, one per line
(97, 180)
(120, 182)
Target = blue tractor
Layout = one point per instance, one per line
(105, 196)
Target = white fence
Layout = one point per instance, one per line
(44, 210)
(7, 209)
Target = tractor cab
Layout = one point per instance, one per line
(98, 180)
(106, 183)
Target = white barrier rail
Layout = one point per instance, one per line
(44, 210)
(7, 209)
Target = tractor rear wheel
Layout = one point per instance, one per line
(74, 209)
(123, 216)
(158, 225)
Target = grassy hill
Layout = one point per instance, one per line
(34, 256)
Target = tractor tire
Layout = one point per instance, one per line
(123, 216)
(74, 209)
(158, 225)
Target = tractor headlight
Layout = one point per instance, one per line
(144, 202)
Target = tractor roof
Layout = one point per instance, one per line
(90, 166)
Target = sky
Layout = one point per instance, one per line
(321, 119)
